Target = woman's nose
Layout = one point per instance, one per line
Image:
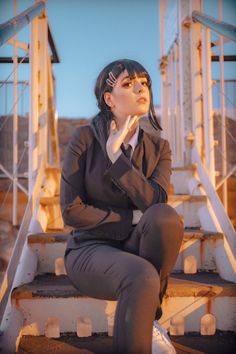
(138, 87)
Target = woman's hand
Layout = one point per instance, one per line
(117, 137)
(137, 214)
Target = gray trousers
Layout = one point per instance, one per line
(134, 273)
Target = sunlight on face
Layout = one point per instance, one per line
(130, 96)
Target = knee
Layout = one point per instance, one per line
(163, 216)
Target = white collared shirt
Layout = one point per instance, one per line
(133, 141)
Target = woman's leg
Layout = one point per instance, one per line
(157, 237)
(106, 272)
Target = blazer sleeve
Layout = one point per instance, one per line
(76, 212)
(144, 191)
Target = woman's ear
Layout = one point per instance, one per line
(108, 99)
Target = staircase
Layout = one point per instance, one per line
(198, 301)
(231, 190)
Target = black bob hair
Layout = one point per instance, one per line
(117, 67)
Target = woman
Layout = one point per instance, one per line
(114, 186)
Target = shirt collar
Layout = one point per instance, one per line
(134, 140)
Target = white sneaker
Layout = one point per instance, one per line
(161, 343)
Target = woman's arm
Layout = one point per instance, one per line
(144, 191)
(75, 211)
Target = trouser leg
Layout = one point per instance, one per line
(157, 238)
(106, 272)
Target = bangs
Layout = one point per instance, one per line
(133, 69)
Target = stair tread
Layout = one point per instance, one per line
(199, 284)
(62, 236)
(185, 168)
(219, 343)
(186, 198)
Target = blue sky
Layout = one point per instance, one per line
(91, 33)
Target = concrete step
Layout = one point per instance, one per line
(188, 207)
(220, 343)
(185, 204)
(196, 253)
(192, 300)
(180, 177)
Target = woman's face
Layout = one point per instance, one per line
(128, 97)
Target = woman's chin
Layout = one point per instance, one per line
(141, 113)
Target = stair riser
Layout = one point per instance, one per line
(189, 211)
(193, 308)
(36, 312)
(47, 255)
(203, 251)
(177, 179)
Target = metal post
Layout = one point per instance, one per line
(196, 79)
(223, 118)
(15, 131)
(185, 79)
(163, 69)
(33, 117)
(207, 104)
(43, 86)
(171, 88)
(179, 136)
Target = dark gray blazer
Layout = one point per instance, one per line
(98, 197)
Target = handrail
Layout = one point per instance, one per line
(9, 276)
(223, 28)
(10, 28)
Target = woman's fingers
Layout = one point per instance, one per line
(113, 126)
(132, 121)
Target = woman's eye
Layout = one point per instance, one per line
(127, 84)
(144, 83)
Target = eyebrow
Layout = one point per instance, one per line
(131, 78)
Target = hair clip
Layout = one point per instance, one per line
(111, 81)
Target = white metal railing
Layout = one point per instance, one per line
(188, 91)
(14, 157)
(188, 116)
(43, 148)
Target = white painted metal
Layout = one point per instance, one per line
(11, 178)
(171, 24)
(202, 249)
(192, 309)
(184, 81)
(225, 256)
(179, 131)
(188, 209)
(19, 44)
(69, 310)
(207, 104)
(15, 131)
(223, 117)
(196, 78)
(163, 70)
(43, 86)
(33, 117)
